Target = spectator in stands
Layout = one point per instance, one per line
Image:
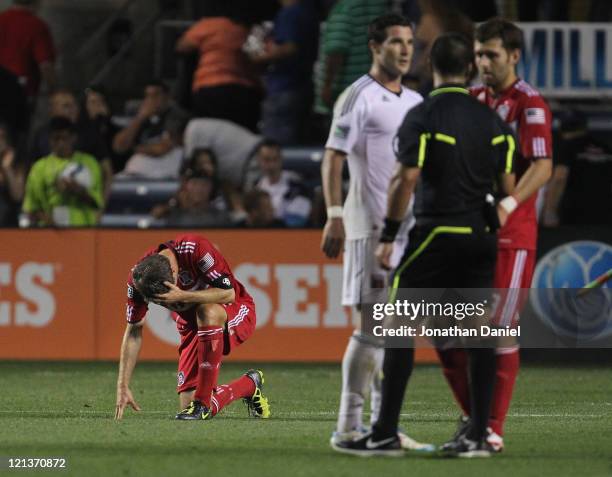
(260, 212)
(289, 196)
(600, 11)
(64, 188)
(233, 145)
(13, 105)
(63, 104)
(26, 46)
(194, 206)
(154, 136)
(225, 83)
(437, 17)
(344, 47)
(12, 180)
(543, 10)
(579, 189)
(289, 56)
(96, 118)
(224, 197)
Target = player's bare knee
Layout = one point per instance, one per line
(210, 315)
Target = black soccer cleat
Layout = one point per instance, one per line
(367, 446)
(468, 448)
(463, 426)
(195, 412)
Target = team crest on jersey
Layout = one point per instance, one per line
(130, 291)
(503, 110)
(206, 262)
(185, 278)
(180, 378)
(342, 132)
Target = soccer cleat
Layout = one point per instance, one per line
(257, 404)
(408, 443)
(468, 449)
(367, 447)
(462, 428)
(195, 411)
(338, 437)
(495, 441)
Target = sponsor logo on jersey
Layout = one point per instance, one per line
(226, 282)
(185, 278)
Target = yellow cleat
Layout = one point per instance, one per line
(257, 404)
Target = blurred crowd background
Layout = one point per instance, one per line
(214, 113)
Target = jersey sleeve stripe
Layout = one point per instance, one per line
(352, 97)
(422, 148)
(510, 153)
(445, 138)
(498, 140)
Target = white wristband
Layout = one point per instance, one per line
(334, 212)
(509, 204)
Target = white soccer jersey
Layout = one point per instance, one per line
(366, 119)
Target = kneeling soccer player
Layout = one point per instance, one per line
(213, 314)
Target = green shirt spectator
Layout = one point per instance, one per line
(344, 53)
(64, 188)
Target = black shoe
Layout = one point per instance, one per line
(195, 411)
(463, 426)
(366, 446)
(467, 448)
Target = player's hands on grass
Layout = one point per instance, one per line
(124, 399)
(333, 237)
(383, 254)
(173, 295)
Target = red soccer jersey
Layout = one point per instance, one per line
(200, 263)
(25, 43)
(524, 109)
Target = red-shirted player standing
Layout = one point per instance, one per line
(213, 314)
(498, 48)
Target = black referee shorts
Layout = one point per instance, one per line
(454, 253)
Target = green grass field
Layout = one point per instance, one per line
(560, 424)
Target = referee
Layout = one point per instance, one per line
(458, 148)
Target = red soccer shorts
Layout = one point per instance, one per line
(513, 275)
(238, 328)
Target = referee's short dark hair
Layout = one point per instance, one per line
(377, 29)
(452, 54)
(510, 35)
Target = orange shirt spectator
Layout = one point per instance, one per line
(224, 71)
(219, 42)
